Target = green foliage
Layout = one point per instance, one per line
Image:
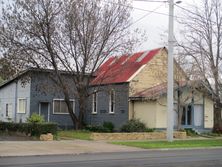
(33, 129)
(1, 80)
(106, 127)
(35, 118)
(109, 126)
(134, 125)
(190, 132)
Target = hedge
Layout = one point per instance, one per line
(33, 129)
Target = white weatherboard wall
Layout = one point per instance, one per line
(8, 96)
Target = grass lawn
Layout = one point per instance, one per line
(72, 134)
(174, 144)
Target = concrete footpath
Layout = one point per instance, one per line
(31, 148)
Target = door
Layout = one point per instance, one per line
(198, 115)
(187, 116)
(44, 110)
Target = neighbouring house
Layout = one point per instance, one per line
(134, 86)
(34, 91)
(125, 87)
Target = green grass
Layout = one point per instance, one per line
(174, 144)
(72, 134)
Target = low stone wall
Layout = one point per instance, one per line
(135, 136)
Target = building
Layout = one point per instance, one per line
(34, 91)
(135, 87)
(125, 87)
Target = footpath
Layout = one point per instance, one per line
(62, 147)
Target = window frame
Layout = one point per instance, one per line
(94, 103)
(18, 106)
(62, 113)
(112, 101)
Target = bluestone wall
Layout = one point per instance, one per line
(43, 89)
(120, 116)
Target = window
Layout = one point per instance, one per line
(111, 101)
(94, 103)
(21, 106)
(6, 110)
(60, 107)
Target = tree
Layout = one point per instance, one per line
(201, 44)
(73, 35)
(6, 69)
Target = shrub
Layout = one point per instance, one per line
(96, 128)
(217, 130)
(35, 118)
(34, 129)
(109, 126)
(190, 132)
(106, 127)
(134, 125)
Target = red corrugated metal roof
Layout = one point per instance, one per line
(120, 69)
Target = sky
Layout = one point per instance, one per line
(156, 25)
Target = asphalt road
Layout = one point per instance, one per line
(165, 158)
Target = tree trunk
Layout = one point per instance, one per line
(82, 110)
(74, 119)
(180, 113)
(217, 116)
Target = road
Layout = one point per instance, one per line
(165, 158)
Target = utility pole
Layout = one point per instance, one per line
(170, 78)
(170, 70)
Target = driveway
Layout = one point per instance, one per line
(30, 148)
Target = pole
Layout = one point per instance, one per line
(170, 74)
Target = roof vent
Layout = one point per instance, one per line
(142, 56)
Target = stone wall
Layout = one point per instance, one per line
(135, 136)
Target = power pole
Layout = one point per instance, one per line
(170, 78)
(170, 69)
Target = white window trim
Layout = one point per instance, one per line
(18, 112)
(96, 94)
(55, 113)
(110, 103)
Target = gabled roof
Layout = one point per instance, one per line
(29, 70)
(122, 69)
(155, 92)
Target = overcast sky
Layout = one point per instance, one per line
(156, 25)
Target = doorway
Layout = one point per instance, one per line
(44, 110)
(187, 116)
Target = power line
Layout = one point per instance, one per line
(150, 1)
(146, 15)
(187, 10)
(145, 10)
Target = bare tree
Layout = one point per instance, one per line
(74, 35)
(201, 44)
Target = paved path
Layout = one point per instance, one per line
(29, 148)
